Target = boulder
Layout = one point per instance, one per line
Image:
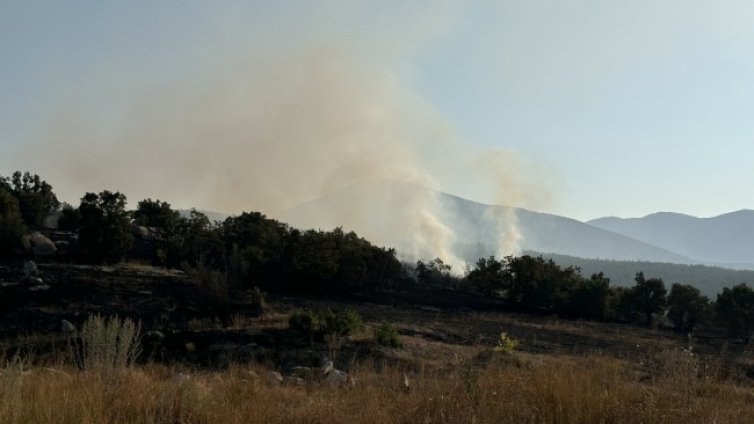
(337, 377)
(276, 377)
(153, 336)
(30, 269)
(67, 327)
(41, 245)
(42, 287)
(36, 281)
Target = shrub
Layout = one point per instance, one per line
(255, 297)
(506, 344)
(386, 335)
(214, 280)
(341, 323)
(109, 344)
(303, 321)
(325, 322)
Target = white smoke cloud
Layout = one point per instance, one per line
(275, 129)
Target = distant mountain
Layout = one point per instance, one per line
(726, 239)
(379, 210)
(543, 232)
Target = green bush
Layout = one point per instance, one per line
(387, 335)
(303, 321)
(325, 322)
(341, 323)
(506, 344)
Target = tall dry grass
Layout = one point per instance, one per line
(591, 389)
(108, 344)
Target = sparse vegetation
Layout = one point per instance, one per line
(448, 364)
(108, 344)
(387, 335)
(590, 389)
(506, 344)
(325, 321)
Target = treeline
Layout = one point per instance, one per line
(709, 279)
(251, 251)
(537, 285)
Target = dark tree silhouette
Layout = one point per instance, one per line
(648, 297)
(36, 199)
(734, 309)
(686, 307)
(11, 224)
(105, 231)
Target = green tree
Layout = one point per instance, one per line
(590, 298)
(156, 214)
(648, 297)
(686, 307)
(105, 231)
(540, 284)
(36, 199)
(193, 241)
(70, 219)
(434, 272)
(261, 245)
(734, 310)
(11, 224)
(489, 276)
(622, 305)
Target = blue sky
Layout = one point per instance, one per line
(613, 108)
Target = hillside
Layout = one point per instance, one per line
(383, 211)
(709, 279)
(724, 239)
(235, 364)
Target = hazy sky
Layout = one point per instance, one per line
(611, 107)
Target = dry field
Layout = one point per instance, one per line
(560, 372)
(513, 389)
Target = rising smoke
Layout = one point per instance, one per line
(280, 130)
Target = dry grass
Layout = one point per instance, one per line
(591, 389)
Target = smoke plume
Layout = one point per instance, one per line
(276, 131)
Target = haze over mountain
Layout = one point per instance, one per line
(377, 211)
(726, 239)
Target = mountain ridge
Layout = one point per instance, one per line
(727, 238)
(475, 225)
